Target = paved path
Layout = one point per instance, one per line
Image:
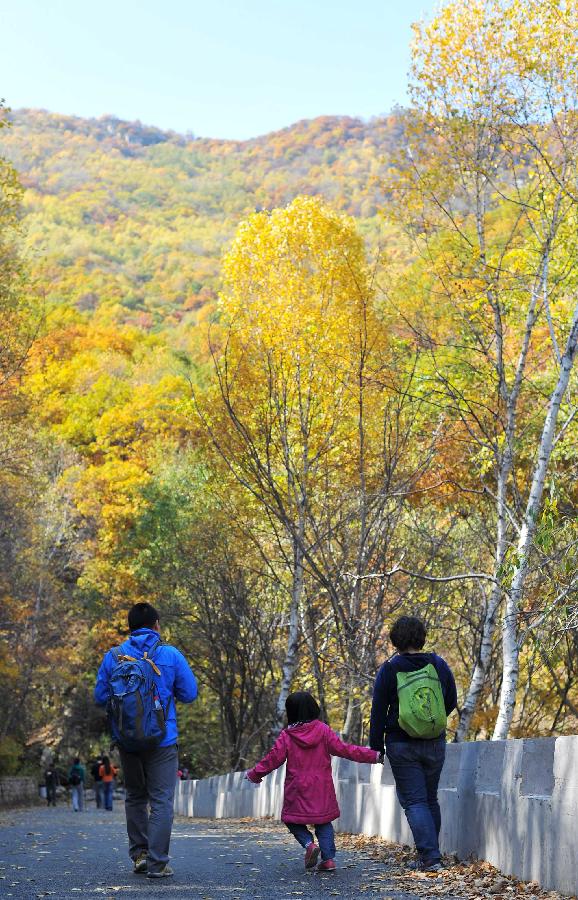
(56, 853)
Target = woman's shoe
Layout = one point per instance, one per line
(165, 872)
(326, 866)
(311, 855)
(414, 865)
(434, 867)
(140, 864)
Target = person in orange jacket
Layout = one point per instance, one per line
(108, 773)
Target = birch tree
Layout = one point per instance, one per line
(492, 172)
(527, 532)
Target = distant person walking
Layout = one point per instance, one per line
(107, 773)
(307, 746)
(414, 692)
(51, 780)
(98, 783)
(140, 682)
(76, 778)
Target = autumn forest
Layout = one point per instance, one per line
(287, 388)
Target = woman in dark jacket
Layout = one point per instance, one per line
(416, 762)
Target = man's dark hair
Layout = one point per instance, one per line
(76, 761)
(142, 615)
(408, 632)
(301, 707)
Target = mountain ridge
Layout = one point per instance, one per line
(129, 222)
(15, 116)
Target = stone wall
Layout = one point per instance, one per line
(512, 803)
(18, 791)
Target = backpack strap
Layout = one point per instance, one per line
(148, 655)
(124, 657)
(157, 670)
(118, 654)
(434, 663)
(154, 648)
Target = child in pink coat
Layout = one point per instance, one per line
(307, 746)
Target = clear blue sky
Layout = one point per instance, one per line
(219, 68)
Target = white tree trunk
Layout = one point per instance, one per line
(506, 462)
(308, 628)
(349, 723)
(482, 666)
(292, 652)
(510, 647)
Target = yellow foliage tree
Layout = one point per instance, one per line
(298, 412)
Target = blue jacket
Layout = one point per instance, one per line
(385, 707)
(176, 682)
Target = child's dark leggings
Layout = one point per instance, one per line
(325, 837)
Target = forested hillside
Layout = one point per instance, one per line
(131, 221)
(378, 415)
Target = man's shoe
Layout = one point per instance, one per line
(165, 872)
(311, 855)
(326, 866)
(434, 867)
(140, 864)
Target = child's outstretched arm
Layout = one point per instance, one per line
(275, 758)
(337, 747)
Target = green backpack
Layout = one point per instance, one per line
(422, 711)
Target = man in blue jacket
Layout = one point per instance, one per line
(416, 763)
(150, 776)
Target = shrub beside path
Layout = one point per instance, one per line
(58, 854)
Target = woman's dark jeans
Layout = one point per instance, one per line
(416, 767)
(108, 789)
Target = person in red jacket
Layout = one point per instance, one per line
(307, 746)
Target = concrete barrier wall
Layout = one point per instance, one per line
(15, 791)
(512, 803)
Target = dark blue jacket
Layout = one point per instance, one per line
(176, 682)
(385, 707)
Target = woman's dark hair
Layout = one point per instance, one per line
(301, 707)
(142, 615)
(406, 632)
(76, 761)
(106, 764)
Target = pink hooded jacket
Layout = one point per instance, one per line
(309, 796)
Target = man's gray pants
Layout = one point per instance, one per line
(149, 779)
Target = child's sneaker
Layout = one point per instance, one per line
(311, 855)
(326, 866)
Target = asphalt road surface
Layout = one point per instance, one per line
(56, 853)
